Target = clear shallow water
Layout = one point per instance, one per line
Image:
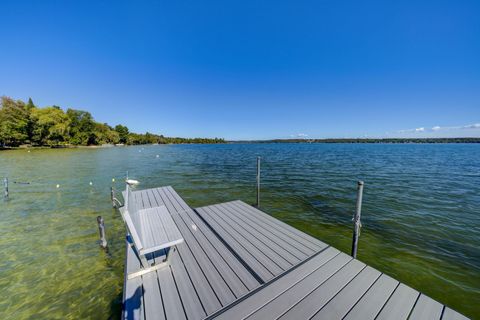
(421, 214)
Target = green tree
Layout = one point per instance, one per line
(14, 118)
(50, 126)
(105, 134)
(82, 127)
(122, 132)
(30, 105)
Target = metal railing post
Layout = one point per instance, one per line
(258, 182)
(5, 184)
(101, 231)
(356, 219)
(112, 196)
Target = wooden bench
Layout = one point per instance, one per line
(151, 230)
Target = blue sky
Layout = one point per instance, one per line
(251, 69)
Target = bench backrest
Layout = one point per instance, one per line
(129, 215)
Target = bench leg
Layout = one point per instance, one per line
(149, 268)
(167, 256)
(144, 262)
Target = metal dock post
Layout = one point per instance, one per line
(356, 219)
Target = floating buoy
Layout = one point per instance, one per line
(28, 151)
(58, 186)
(91, 183)
(158, 156)
(132, 182)
(113, 179)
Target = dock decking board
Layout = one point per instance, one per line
(273, 289)
(400, 303)
(133, 292)
(426, 308)
(244, 250)
(295, 234)
(341, 304)
(268, 246)
(297, 248)
(449, 314)
(291, 254)
(370, 304)
(261, 249)
(237, 262)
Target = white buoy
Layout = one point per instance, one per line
(158, 156)
(91, 183)
(113, 179)
(58, 186)
(132, 182)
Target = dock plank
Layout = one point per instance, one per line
(339, 306)
(214, 278)
(308, 240)
(400, 304)
(449, 314)
(228, 275)
(274, 289)
(191, 302)
(302, 289)
(152, 297)
(285, 258)
(372, 302)
(235, 265)
(244, 250)
(171, 299)
(426, 308)
(177, 197)
(133, 293)
(286, 238)
(276, 243)
(205, 291)
(314, 301)
(262, 252)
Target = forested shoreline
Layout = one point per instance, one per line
(26, 124)
(368, 140)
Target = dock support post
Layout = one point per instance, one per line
(112, 196)
(5, 184)
(258, 182)
(101, 230)
(356, 219)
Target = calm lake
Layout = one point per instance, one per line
(421, 213)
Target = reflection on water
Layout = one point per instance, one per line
(420, 215)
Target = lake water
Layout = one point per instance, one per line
(421, 213)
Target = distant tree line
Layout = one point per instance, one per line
(25, 123)
(367, 140)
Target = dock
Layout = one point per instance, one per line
(238, 262)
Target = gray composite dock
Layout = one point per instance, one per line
(237, 262)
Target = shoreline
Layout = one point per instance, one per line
(274, 141)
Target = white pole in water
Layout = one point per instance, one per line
(101, 230)
(5, 183)
(258, 182)
(356, 219)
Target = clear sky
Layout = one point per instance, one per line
(251, 69)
